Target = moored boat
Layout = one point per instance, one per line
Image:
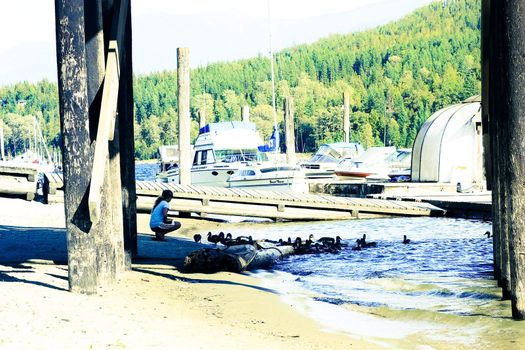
(281, 177)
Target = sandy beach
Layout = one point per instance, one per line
(154, 306)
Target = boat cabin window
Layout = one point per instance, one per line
(280, 168)
(240, 155)
(247, 173)
(203, 157)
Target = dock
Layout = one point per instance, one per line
(18, 180)
(277, 205)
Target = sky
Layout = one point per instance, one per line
(214, 30)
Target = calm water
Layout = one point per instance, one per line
(146, 171)
(435, 293)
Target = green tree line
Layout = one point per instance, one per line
(397, 75)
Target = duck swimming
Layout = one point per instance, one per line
(365, 244)
(405, 239)
(488, 234)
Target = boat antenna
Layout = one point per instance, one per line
(273, 74)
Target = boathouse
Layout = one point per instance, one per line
(449, 147)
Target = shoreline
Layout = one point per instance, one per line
(152, 306)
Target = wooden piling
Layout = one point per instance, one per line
(245, 113)
(290, 130)
(499, 112)
(513, 96)
(183, 85)
(74, 123)
(346, 116)
(488, 121)
(127, 147)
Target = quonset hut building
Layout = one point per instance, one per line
(449, 148)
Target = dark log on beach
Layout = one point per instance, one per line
(236, 258)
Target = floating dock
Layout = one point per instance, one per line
(278, 205)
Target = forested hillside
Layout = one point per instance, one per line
(397, 74)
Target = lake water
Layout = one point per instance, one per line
(435, 293)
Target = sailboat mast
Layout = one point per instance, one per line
(273, 71)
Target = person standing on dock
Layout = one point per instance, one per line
(159, 222)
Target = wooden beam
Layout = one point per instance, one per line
(108, 112)
(183, 85)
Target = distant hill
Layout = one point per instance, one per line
(398, 74)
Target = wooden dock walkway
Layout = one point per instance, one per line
(278, 205)
(275, 204)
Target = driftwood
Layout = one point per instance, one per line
(236, 258)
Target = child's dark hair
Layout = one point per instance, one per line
(165, 196)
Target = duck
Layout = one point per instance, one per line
(244, 240)
(366, 244)
(338, 242)
(357, 245)
(225, 239)
(297, 243)
(213, 238)
(197, 238)
(287, 242)
(326, 240)
(488, 234)
(405, 239)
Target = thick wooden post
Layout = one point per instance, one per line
(183, 84)
(346, 116)
(245, 113)
(290, 130)
(74, 123)
(127, 147)
(513, 94)
(499, 110)
(95, 247)
(489, 135)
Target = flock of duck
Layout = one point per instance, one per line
(308, 246)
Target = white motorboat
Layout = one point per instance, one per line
(324, 162)
(377, 164)
(278, 177)
(220, 150)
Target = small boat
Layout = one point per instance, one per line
(324, 162)
(168, 163)
(378, 164)
(280, 177)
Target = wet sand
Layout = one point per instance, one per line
(154, 306)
